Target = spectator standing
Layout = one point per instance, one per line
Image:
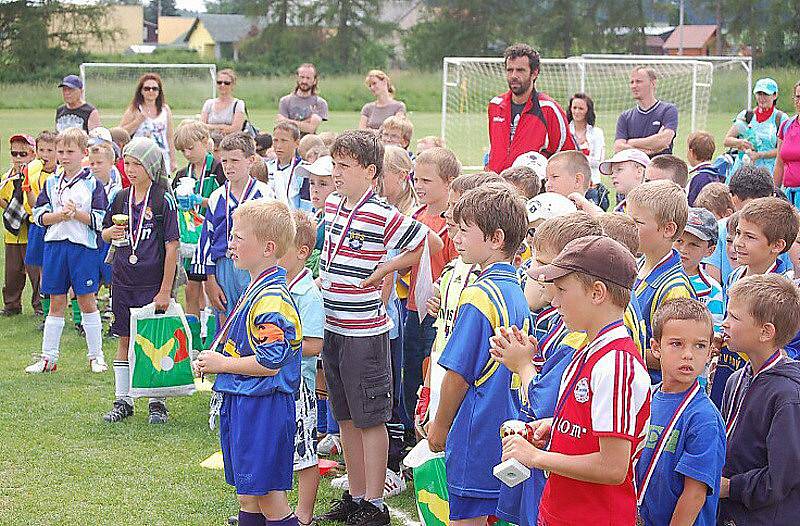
(75, 112)
(652, 124)
(303, 106)
(226, 113)
(787, 164)
(374, 113)
(148, 115)
(591, 140)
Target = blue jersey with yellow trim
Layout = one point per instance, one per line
(473, 444)
(666, 281)
(267, 326)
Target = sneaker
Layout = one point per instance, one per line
(158, 412)
(394, 485)
(42, 365)
(233, 520)
(340, 483)
(10, 312)
(340, 509)
(330, 445)
(119, 412)
(369, 514)
(98, 364)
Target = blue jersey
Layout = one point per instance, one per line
(666, 281)
(695, 448)
(473, 443)
(266, 325)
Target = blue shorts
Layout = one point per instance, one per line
(233, 282)
(469, 507)
(34, 254)
(105, 268)
(69, 264)
(257, 438)
(126, 298)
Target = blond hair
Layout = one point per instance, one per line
(776, 218)
(307, 143)
(444, 160)
(259, 171)
(556, 232)
(120, 136)
(73, 137)
(680, 309)
(770, 298)
(435, 140)
(674, 165)
(401, 124)
(524, 178)
(574, 162)
(465, 182)
(269, 221)
(380, 75)
(229, 72)
(105, 149)
(305, 230)
(716, 198)
(621, 228)
(238, 141)
(650, 72)
(328, 138)
(190, 132)
(665, 200)
(396, 160)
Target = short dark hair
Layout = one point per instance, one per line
(702, 145)
(751, 182)
(363, 146)
(238, 141)
(674, 165)
(591, 116)
(524, 178)
(492, 207)
(522, 50)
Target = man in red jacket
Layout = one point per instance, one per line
(522, 119)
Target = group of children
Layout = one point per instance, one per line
(649, 350)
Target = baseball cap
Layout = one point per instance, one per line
(323, 166)
(71, 81)
(703, 224)
(23, 137)
(766, 85)
(533, 160)
(630, 154)
(597, 256)
(548, 205)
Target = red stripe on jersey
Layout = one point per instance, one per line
(393, 226)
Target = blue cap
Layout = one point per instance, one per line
(703, 224)
(71, 81)
(766, 85)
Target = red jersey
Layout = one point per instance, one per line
(542, 128)
(605, 392)
(438, 260)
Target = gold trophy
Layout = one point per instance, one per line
(120, 220)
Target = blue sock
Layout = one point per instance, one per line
(247, 518)
(290, 520)
(359, 499)
(378, 503)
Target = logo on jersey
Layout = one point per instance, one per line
(565, 427)
(148, 213)
(582, 391)
(355, 241)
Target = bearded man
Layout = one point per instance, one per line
(303, 106)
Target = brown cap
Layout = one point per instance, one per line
(598, 256)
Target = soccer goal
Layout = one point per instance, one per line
(470, 83)
(110, 86)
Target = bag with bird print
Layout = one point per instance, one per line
(159, 352)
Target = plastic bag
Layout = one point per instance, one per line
(430, 485)
(190, 223)
(159, 352)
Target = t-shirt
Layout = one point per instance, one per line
(605, 392)
(473, 445)
(356, 241)
(516, 110)
(789, 133)
(637, 123)
(287, 184)
(160, 226)
(377, 114)
(709, 291)
(297, 108)
(67, 118)
(695, 449)
(308, 300)
(438, 260)
(268, 326)
(224, 115)
(8, 184)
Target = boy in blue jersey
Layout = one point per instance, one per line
(476, 390)
(660, 210)
(678, 472)
(71, 205)
(256, 356)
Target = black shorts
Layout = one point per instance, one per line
(358, 374)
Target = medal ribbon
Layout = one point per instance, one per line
(191, 174)
(661, 445)
(733, 416)
(64, 187)
(135, 239)
(331, 252)
(245, 195)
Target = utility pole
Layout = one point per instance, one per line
(680, 25)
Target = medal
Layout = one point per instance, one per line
(133, 259)
(134, 239)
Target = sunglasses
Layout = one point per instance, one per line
(151, 88)
(224, 83)
(19, 154)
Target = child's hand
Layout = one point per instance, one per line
(515, 446)
(717, 343)
(584, 205)
(375, 279)
(210, 362)
(724, 488)
(161, 300)
(437, 437)
(513, 349)
(541, 431)
(117, 232)
(433, 304)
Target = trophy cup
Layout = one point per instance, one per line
(512, 471)
(120, 220)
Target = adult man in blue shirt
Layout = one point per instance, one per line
(652, 124)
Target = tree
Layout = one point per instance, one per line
(156, 8)
(357, 28)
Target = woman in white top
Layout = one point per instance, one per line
(374, 113)
(148, 115)
(590, 140)
(225, 113)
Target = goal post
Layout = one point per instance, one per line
(109, 85)
(469, 83)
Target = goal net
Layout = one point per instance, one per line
(470, 83)
(110, 86)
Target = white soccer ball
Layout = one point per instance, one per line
(533, 160)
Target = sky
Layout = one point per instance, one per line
(191, 5)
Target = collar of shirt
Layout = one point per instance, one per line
(662, 267)
(304, 284)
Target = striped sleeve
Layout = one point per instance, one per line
(403, 232)
(43, 203)
(620, 386)
(99, 206)
(273, 330)
(202, 262)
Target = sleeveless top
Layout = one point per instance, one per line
(156, 129)
(73, 118)
(224, 116)
(762, 135)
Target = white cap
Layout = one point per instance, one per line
(533, 160)
(630, 154)
(323, 166)
(100, 133)
(548, 205)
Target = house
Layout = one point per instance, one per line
(219, 36)
(172, 28)
(127, 22)
(692, 40)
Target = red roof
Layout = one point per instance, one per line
(694, 37)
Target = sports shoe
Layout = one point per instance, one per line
(394, 485)
(340, 482)
(98, 364)
(42, 365)
(369, 514)
(340, 509)
(330, 445)
(119, 412)
(158, 412)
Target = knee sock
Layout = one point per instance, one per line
(51, 339)
(204, 315)
(289, 520)
(93, 327)
(76, 312)
(197, 339)
(247, 518)
(122, 381)
(46, 304)
(211, 327)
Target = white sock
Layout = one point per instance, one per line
(51, 340)
(204, 322)
(93, 327)
(122, 381)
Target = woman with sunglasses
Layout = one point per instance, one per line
(225, 113)
(148, 115)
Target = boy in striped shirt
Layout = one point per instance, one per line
(360, 229)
